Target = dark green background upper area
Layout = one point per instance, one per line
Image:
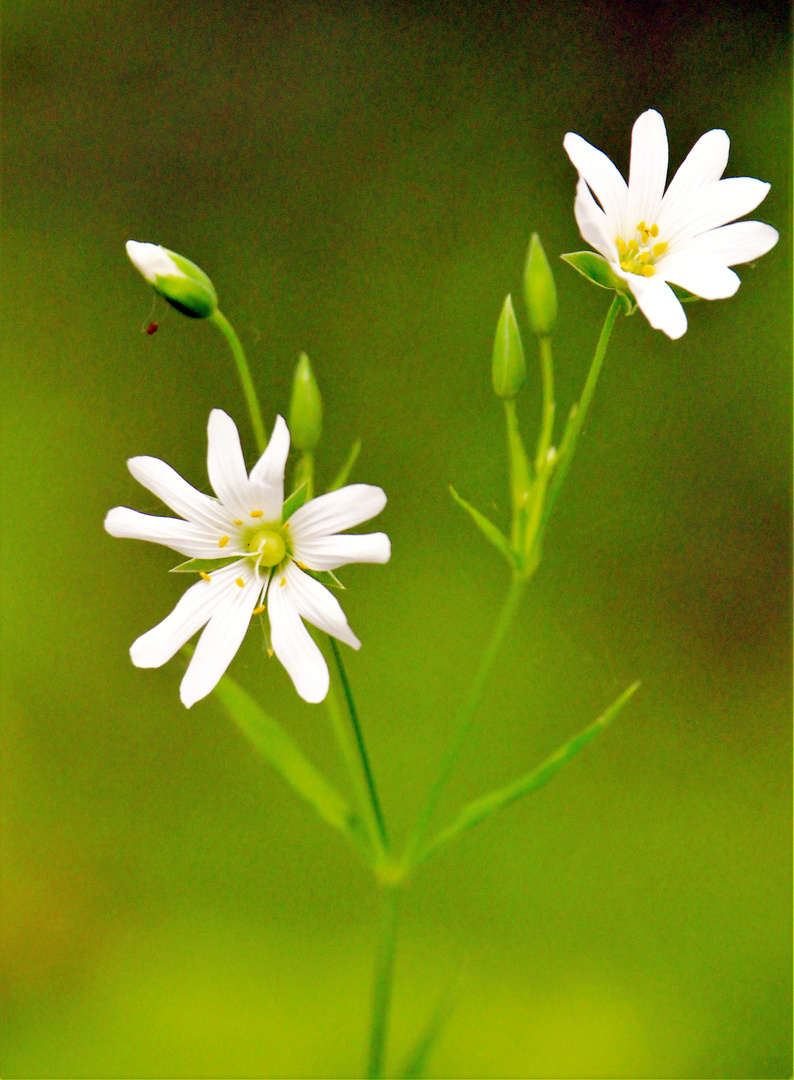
(361, 181)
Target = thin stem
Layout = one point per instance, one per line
(384, 981)
(547, 423)
(466, 713)
(520, 482)
(362, 750)
(219, 319)
(579, 412)
(349, 752)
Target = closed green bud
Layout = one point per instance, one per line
(179, 281)
(305, 408)
(539, 289)
(508, 354)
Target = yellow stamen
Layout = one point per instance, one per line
(644, 256)
(645, 236)
(258, 610)
(303, 566)
(282, 583)
(257, 513)
(236, 522)
(224, 540)
(205, 576)
(659, 249)
(648, 271)
(621, 246)
(240, 582)
(642, 227)
(633, 245)
(654, 230)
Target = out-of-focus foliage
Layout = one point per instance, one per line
(361, 181)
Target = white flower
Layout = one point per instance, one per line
(245, 522)
(650, 236)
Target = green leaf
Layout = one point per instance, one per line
(274, 744)
(596, 269)
(347, 468)
(325, 577)
(420, 1055)
(295, 501)
(482, 808)
(196, 566)
(488, 529)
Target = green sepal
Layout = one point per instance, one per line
(196, 566)
(325, 577)
(273, 743)
(341, 477)
(482, 808)
(508, 367)
(596, 269)
(194, 294)
(488, 529)
(295, 501)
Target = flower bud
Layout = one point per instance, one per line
(508, 354)
(539, 289)
(306, 407)
(179, 281)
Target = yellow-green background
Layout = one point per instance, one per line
(361, 180)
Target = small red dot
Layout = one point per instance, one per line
(152, 328)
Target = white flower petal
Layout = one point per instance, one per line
(734, 244)
(183, 536)
(224, 632)
(331, 552)
(709, 207)
(647, 171)
(178, 494)
(704, 164)
(603, 178)
(318, 606)
(293, 644)
(659, 304)
(195, 608)
(226, 465)
(593, 222)
(266, 485)
(336, 511)
(152, 261)
(701, 275)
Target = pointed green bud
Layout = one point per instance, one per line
(179, 281)
(508, 354)
(306, 407)
(540, 292)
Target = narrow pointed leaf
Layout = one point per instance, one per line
(487, 528)
(596, 269)
(347, 468)
(295, 501)
(420, 1055)
(274, 744)
(196, 566)
(482, 808)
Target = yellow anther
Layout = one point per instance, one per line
(659, 249)
(205, 576)
(240, 582)
(236, 522)
(648, 271)
(644, 256)
(258, 610)
(224, 540)
(654, 230)
(303, 566)
(642, 227)
(621, 243)
(646, 236)
(282, 583)
(633, 245)
(257, 513)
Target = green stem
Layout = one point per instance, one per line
(219, 319)
(466, 714)
(547, 423)
(384, 981)
(579, 412)
(520, 482)
(362, 750)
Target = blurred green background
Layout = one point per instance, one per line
(360, 181)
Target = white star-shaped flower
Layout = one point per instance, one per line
(650, 236)
(245, 523)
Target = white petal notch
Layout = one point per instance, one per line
(263, 564)
(654, 238)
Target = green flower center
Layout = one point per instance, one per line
(638, 255)
(268, 546)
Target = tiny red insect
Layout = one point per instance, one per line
(152, 328)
